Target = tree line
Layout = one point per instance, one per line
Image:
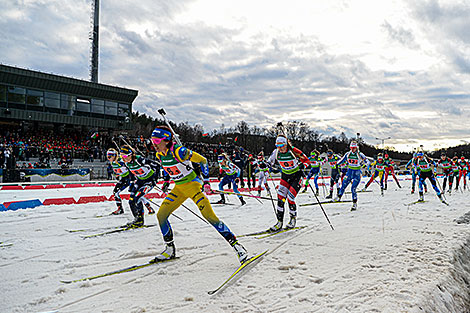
(255, 139)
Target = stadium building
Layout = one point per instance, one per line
(34, 99)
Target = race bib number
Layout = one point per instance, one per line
(287, 164)
(353, 161)
(138, 172)
(172, 171)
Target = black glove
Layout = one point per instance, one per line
(165, 186)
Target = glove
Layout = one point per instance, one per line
(301, 166)
(207, 186)
(165, 186)
(237, 180)
(204, 169)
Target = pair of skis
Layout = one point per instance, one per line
(243, 268)
(269, 233)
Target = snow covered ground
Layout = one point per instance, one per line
(385, 257)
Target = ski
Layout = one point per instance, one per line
(263, 232)
(118, 230)
(239, 270)
(280, 232)
(120, 271)
(83, 217)
(4, 245)
(445, 202)
(226, 203)
(359, 191)
(324, 202)
(414, 202)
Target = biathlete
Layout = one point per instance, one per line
(355, 161)
(424, 163)
(333, 159)
(263, 172)
(125, 179)
(390, 169)
(315, 162)
(455, 169)
(463, 168)
(232, 174)
(146, 173)
(446, 164)
(414, 169)
(380, 165)
(176, 161)
(291, 160)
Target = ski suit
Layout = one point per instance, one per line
(355, 160)
(177, 163)
(291, 173)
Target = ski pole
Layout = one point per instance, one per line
(321, 206)
(241, 194)
(158, 206)
(163, 114)
(182, 204)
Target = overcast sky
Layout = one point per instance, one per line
(397, 69)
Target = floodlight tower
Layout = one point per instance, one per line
(94, 37)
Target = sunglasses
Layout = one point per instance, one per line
(126, 156)
(109, 156)
(280, 144)
(156, 140)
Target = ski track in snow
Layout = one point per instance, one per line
(385, 257)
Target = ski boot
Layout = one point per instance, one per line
(354, 206)
(412, 191)
(277, 227)
(385, 187)
(382, 192)
(242, 201)
(421, 197)
(259, 193)
(292, 222)
(317, 192)
(119, 210)
(426, 189)
(304, 190)
(222, 199)
(241, 252)
(149, 207)
(330, 195)
(167, 254)
(137, 222)
(337, 198)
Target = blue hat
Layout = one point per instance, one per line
(162, 133)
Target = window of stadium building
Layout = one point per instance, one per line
(16, 97)
(52, 102)
(35, 100)
(3, 95)
(67, 104)
(82, 107)
(111, 108)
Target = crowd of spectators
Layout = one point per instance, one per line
(49, 147)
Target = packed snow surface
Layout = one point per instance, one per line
(384, 257)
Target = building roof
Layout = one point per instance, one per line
(38, 80)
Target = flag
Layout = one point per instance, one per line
(236, 139)
(205, 134)
(94, 136)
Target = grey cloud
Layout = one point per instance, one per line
(401, 35)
